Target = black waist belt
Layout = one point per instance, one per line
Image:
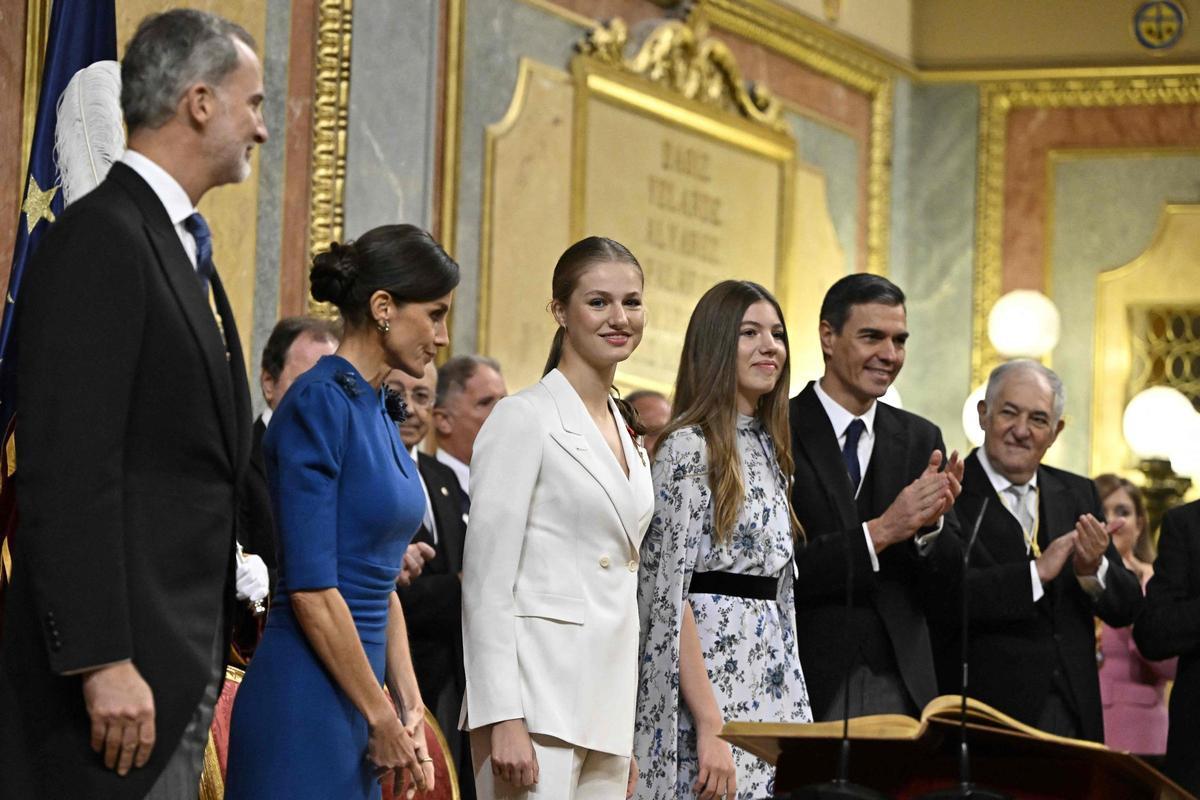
(750, 587)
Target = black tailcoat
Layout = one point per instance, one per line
(134, 431)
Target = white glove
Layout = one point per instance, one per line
(252, 581)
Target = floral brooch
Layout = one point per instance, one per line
(394, 403)
(348, 383)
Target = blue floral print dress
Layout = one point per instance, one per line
(749, 645)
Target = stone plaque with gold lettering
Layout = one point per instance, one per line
(665, 164)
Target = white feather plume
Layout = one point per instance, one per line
(89, 135)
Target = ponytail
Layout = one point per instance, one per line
(556, 348)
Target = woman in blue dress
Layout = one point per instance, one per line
(312, 719)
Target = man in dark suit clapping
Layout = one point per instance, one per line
(874, 492)
(1043, 566)
(1169, 625)
(135, 433)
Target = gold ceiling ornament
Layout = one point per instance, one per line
(331, 106)
(680, 57)
(997, 99)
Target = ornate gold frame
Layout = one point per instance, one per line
(1116, 88)
(861, 68)
(331, 106)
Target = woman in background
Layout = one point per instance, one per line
(1132, 688)
(311, 719)
(560, 498)
(715, 594)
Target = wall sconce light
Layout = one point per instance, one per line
(1023, 324)
(970, 416)
(1155, 424)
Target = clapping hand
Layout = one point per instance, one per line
(1091, 540)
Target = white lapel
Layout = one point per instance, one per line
(583, 441)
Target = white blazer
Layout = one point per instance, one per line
(550, 571)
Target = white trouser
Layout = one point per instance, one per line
(565, 772)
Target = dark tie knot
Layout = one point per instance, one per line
(854, 431)
(198, 228)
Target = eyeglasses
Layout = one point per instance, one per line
(420, 397)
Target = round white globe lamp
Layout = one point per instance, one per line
(1154, 421)
(970, 416)
(1023, 324)
(1185, 453)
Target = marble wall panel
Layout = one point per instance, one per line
(1104, 209)
(932, 252)
(1034, 132)
(393, 115)
(834, 151)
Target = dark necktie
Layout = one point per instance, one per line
(199, 230)
(850, 451)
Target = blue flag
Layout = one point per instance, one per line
(81, 33)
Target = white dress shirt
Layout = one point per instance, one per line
(461, 471)
(1092, 584)
(840, 418)
(174, 199)
(427, 520)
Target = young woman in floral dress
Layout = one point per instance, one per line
(715, 593)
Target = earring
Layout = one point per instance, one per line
(383, 325)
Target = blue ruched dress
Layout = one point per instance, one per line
(347, 501)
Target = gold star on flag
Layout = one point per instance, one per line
(37, 205)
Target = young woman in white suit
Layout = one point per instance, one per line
(561, 496)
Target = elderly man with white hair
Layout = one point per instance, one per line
(1043, 566)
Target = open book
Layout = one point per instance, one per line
(942, 712)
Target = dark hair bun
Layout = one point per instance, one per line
(333, 273)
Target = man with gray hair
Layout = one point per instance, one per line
(468, 388)
(1042, 567)
(117, 616)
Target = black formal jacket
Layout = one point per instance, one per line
(1169, 625)
(1018, 648)
(256, 519)
(134, 430)
(433, 603)
(890, 607)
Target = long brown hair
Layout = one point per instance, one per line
(572, 264)
(1143, 546)
(705, 395)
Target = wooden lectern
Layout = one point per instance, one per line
(904, 758)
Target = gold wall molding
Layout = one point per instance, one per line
(331, 107)
(452, 126)
(844, 60)
(680, 57)
(997, 100)
(37, 30)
